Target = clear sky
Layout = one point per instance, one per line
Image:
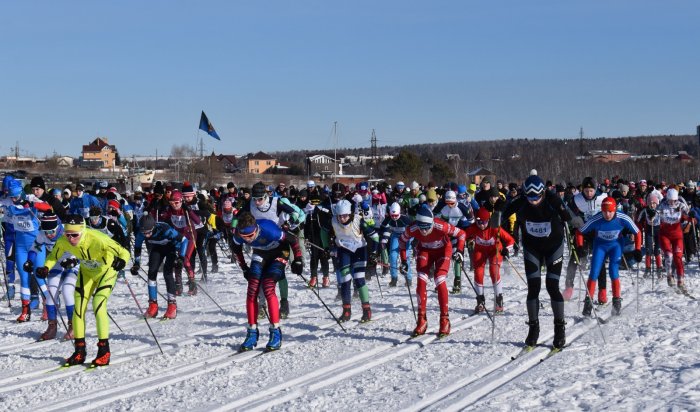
(274, 75)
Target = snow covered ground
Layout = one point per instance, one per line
(649, 361)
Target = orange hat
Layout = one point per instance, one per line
(114, 204)
(609, 205)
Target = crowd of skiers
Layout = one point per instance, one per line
(70, 245)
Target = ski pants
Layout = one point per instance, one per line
(156, 256)
(200, 249)
(63, 279)
(490, 255)
(552, 257)
(652, 246)
(8, 239)
(394, 260)
(573, 267)
(601, 250)
(266, 269)
(672, 246)
(426, 259)
(100, 285)
(351, 267)
(23, 244)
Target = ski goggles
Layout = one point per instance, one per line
(73, 235)
(50, 232)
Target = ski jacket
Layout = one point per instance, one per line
(438, 238)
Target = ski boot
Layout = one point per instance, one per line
(284, 308)
(275, 341)
(103, 354)
(617, 307)
(313, 282)
(326, 282)
(587, 306)
(392, 282)
(50, 332)
(69, 333)
(152, 310)
(602, 296)
(251, 340)
(480, 304)
(647, 273)
(499, 303)
(559, 333)
(533, 333)
(456, 286)
(215, 267)
(568, 293)
(26, 314)
(78, 356)
(444, 326)
(171, 312)
(347, 312)
(192, 285)
(366, 313)
(671, 281)
(421, 324)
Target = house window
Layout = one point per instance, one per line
(267, 163)
(257, 163)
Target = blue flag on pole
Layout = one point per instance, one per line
(205, 124)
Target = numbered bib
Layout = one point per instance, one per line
(538, 229)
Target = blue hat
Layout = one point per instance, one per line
(14, 188)
(533, 187)
(424, 217)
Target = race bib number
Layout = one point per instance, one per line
(178, 221)
(90, 264)
(484, 242)
(608, 235)
(350, 244)
(538, 229)
(23, 224)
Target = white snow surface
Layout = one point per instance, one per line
(649, 361)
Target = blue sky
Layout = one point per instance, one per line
(275, 75)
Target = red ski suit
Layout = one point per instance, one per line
(488, 244)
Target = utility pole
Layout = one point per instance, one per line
(335, 152)
(580, 141)
(373, 141)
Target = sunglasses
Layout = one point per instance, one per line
(73, 235)
(50, 232)
(482, 222)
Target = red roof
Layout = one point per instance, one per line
(97, 145)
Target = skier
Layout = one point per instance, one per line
(490, 244)
(183, 220)
(648, 220)
(672, 211)
(270, 254)
(460, 215)
(584, 206)
(100, 259)
(392, 228)
(433, 250)
(204, 211)
(64, 273)
(107, 225)
(82, 203)
(281, 211)
(166, 244)
(541, 216)
(609, 228)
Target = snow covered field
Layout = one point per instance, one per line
(650, 361)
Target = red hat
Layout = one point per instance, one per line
(227, 206)
(482, 214)
(176, 196)
(114, 204)
(609, 205)
(112, 190)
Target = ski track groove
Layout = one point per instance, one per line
(498, 374)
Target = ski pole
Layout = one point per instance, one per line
(142, 312)
(379, 284)
(466, 275)
(113, 321)
(7, 284)
(53, 301)
(208, 295)
(323, 303)
(410, 295)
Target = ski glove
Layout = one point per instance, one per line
(118, 263)
(69, 263)
(580, 252)
(297, 266)
(372, 259)
(505, 252)
(458, 257)
(404, 267)
(638, 255)
(651, 213)
(42, 272)
(135, 269)
(28, 266)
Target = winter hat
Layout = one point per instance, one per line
(624, 188)
(14, 188)
(400, 185)
(114, 204)
(415, 185)
(672, 194)
(560, 187)
(310, 183)
(176, 196)
(230, 185)
(512, 186)
(395, 210)
(67, 191)
(38, 181)
(80, 187)
(494, 192)
(431, 195)
(49, 221)
(424, 217)
(147, 223)
(187, 188)
(691, 184)
(95, 211)
(589, 183)
(482, 215)
(450, 197)
(472, 188)
(609, 204)
(533, 187)
(462, 189)
(158, 189)
(343, 208)
(228, 207)
(533, 172)
(74, 223)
